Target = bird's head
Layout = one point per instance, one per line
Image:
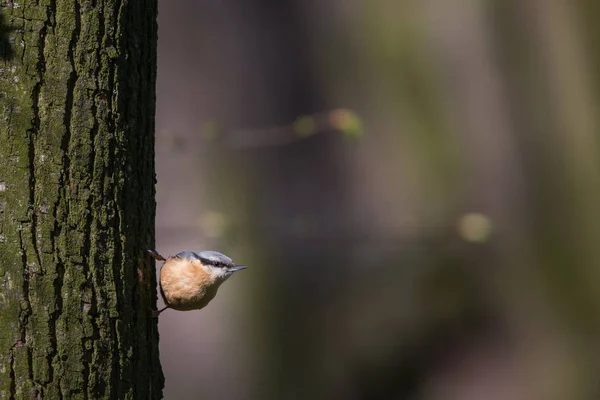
(217, 265)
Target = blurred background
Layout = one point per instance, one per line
(414, 185)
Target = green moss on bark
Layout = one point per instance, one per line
(77, 201)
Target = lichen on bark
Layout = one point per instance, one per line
(77, 200)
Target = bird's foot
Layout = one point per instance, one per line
(156, 313)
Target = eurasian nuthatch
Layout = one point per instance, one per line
(189, 280)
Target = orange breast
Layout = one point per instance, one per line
(186, 285)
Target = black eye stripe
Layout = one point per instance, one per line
(211, 258)
(213, 263)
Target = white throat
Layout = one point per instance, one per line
(218, 272)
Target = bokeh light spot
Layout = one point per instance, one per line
(305, 126)
(346, 121)
(474, 227)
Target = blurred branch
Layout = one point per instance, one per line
(340, 120)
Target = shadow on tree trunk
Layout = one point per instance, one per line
(6, 51)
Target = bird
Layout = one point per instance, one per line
(190, 280)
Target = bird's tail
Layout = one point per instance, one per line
(156, 255)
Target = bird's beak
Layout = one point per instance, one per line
(238, 268)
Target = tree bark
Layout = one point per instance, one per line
(77, 208)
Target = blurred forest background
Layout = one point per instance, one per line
(414, 185)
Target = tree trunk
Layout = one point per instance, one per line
(77, 99)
